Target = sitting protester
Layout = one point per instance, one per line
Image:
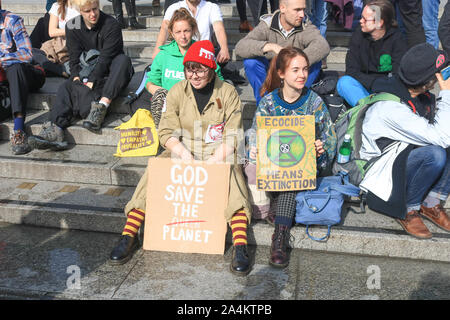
(375, 51)
(208, 17)
(201, 98)
(99, 72)
(53, 54)
(287, 27)
(411, 139)
(286, 79)
(21, 75)
(167, 67)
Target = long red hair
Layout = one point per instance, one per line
(280, 63)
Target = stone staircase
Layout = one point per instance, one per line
(86, 187)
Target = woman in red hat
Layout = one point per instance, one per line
(203, 99)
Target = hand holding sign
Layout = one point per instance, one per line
(286, 158)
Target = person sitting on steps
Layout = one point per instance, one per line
(90, 90)
(167, 67)
(288, 96)
(17, 70)
(375, 51)
(286, 27)
(205, 99)
(411, 139)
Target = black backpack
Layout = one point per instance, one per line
(5, 101)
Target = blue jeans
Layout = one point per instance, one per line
(319, 15)
(351, 90)
(427, 172)
(256, 71)
(430, 21)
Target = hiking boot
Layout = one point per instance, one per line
(279, 256)
(50, 137)
(414, 226)
(19, 142)
(437, 215)
(95, 118)
(124, 250)
(240, 263)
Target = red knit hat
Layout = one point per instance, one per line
(201, 52)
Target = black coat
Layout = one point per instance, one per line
(444, 29)
(368, 60)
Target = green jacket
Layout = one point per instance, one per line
(167, 67)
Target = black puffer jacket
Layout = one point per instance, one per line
(368, 60)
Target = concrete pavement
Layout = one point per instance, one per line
(45, 263)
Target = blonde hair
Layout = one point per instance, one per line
(82, 3)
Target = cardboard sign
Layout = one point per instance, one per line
(286, 158)
(185, 206)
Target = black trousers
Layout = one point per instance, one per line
(411, 12)
(23, 78)
(51, 68)
(40, 32)
(73, 98)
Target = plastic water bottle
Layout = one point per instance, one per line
(345, 150)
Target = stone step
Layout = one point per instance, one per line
(97, 207)
(80, 164)
(75, 134)
(150, 21)
(149, 36)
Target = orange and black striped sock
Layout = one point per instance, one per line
(239, 228)
(134, 222)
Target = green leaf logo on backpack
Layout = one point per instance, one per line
(385, 63)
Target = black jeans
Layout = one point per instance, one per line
(411, 13)
(73, 98)
(23, 78)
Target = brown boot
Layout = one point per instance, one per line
(437, 215)
(245, 27)
(414, 225)
(279, 257)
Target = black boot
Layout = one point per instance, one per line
(279, 255)
(131, 10)
(240, 263)
(118, 13)
(124, 250)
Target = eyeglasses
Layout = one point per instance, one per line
(366, 20)
(200, 73)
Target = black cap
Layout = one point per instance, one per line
(420, 63)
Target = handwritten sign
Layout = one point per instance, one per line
(286, 154)
(138, 136)
(185, 206)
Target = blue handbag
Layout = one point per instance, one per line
(323, 205)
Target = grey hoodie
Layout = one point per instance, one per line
(306, 37)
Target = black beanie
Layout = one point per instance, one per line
(420, 63)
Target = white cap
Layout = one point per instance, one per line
(347, 136)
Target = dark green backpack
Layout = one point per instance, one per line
(351, 122)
